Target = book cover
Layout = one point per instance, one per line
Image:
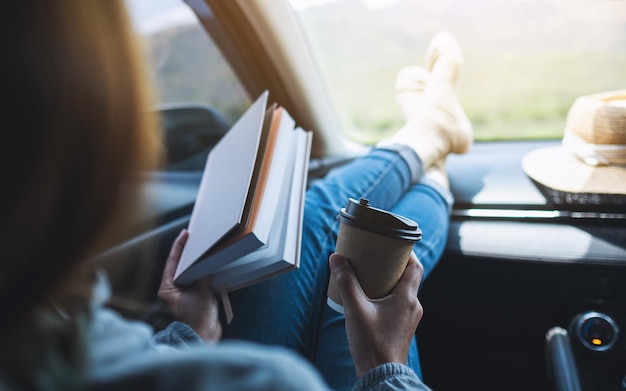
(262, 232)
(225, 183)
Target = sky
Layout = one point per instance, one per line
(150, 16)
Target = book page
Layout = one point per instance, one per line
(283, 252)
(259, 174)
(279, 172)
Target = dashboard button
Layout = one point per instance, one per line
(596, 331)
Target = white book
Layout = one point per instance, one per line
(234, 231)
(224, 186)
(283, 250)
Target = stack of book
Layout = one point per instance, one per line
(246, 224)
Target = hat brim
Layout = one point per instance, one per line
(558, 169)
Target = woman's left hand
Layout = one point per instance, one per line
(196, 305)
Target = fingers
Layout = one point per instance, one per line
(412, 277)
(174, 257)
(408, 287)
(346, 281)
(204, 286)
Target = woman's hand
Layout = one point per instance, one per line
(196, 305)
(379, 331)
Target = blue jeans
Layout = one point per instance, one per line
(291, 310)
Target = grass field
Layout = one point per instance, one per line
(517, 96)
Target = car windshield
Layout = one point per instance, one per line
(526, 61)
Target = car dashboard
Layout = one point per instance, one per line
(516, 266)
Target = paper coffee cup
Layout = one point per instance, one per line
(377, 244)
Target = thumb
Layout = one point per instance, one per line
(345, 280)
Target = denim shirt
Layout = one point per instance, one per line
(127, 354)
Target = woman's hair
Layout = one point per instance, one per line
(76, 132)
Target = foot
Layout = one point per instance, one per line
(436, 123)
(444, 59)
(410, 84)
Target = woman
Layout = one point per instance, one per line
(75, 96)
(78, 133)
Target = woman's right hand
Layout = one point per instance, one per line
(379, 330)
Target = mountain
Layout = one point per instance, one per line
(187, 67)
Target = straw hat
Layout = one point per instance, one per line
(589, 167)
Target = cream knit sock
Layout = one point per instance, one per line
(436, 123)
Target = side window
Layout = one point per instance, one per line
(197, 94)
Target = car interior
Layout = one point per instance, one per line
(528, 295)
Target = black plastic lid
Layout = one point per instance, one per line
(361, 215)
